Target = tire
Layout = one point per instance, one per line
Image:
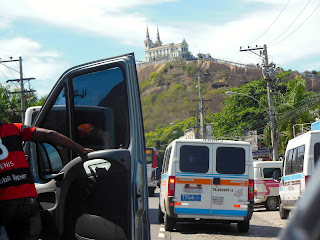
(243, 226)
(160, 215)
(168, 222)
(272, 203)
(284, 213)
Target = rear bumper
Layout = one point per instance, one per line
(169, 204)
(216, 215)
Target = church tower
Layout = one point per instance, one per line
(158, 42)
(148, 43)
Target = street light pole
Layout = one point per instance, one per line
(272, 122)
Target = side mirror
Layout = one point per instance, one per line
(50, 162)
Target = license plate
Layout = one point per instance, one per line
(190, 197)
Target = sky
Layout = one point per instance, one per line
(52, 36)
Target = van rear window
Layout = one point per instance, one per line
(194, 159)
(230, 160)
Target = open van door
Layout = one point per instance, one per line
(103, 195)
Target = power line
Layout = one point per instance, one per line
(298, 26)
(271, 23)
(291, 23)
(21, 80)
(4, 75)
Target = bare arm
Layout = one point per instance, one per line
(50, 136)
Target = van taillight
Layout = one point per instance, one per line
(171, 186)
(251, 189)
(306, 178)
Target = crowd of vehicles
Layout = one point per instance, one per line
(217, 181)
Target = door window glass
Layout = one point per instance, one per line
(300, 159)
(101, 113)
(289, 162)
(194, 159)
(316, 153)
(166, 160)
(294, 161)
(57, 119)
(230, 160)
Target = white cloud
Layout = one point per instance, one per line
(122, 20)
(41, 64)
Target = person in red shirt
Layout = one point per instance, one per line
(19, 210)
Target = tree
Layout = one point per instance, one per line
(10, 104)
(241, 113)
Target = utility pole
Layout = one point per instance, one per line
(268, 74)
(201, 111)
(22, 91)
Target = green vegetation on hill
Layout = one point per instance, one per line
(169, 94)
(169, 91)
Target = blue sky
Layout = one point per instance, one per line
(52, 36)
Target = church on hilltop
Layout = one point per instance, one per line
(156, 51)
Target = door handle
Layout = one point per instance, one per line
(216, 181)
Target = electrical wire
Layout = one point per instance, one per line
(297, 27)
(271, 23)
(4, 75)
(290, 24)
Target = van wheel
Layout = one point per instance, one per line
(160, 215)
(272, 203)
(168, 222)
(243, 226)
(284, 213)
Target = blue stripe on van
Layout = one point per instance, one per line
(228, 212)
(192, 211)
(293, 177)
(208, 211)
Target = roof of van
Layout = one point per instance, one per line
(258, 163)
(210, 141)
(306, 134)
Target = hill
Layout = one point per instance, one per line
(169, 90)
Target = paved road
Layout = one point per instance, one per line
(263, 225)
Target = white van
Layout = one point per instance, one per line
(207, 180)
(302, 153)
(266, 189)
